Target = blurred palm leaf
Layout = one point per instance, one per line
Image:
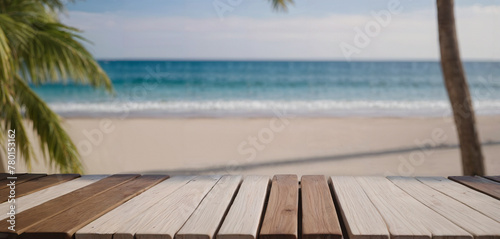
(36, 48)
(281, 4)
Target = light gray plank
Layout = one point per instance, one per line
(476, 223)
(472, 198)
(418, 220)
(166, 217)
(207, 218)
(361, 218)
(243, 218)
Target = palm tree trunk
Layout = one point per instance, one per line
(458, 91)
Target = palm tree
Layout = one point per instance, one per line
(36, 48)
(456, 85)
(458, 91)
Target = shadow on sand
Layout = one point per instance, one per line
(223, 169)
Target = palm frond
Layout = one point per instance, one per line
(281, 4)
(62, 57)
(35, 47)
(13, 119)
(5, 55)
(45, 49)
(47, 125)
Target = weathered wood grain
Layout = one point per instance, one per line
(166, 217)
(281, 217)
(494, 178)
(479, 201)
(361, 219)
(476, 223)
(243, 219)
(207, 218)
(480, 184)
(404, 215)
(37, 184)
(42, 196)
(182, 208)
(66, 223)
(44, 211)
(319, 217)
(19, 179)
(108, 224)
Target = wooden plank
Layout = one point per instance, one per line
(4, 175)
(480, 184)
(243, 219)
(472, 198)
(42, 196)
(404, 215)
(37, 184)
(165, 218)
(361, 219)
(494, 178)
(476, 223)
(65, 224)
(44, 211)
(19, 178)
(108, 224)
(319, 217)
(207, 218)
(281, 217)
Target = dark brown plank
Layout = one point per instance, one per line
(36, 184)
(38, 214)
(480, 184)
(319, 217)
(3, 176)
(281, 218)
(494, 178)
(65, 224)
(20, 178)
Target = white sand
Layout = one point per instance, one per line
(330, 146)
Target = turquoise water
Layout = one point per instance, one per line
(260, 88)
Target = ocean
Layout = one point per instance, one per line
(267, 88)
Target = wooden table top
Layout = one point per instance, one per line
(248, 207)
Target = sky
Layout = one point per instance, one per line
(309, 30)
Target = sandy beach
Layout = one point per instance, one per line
(330, 146)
